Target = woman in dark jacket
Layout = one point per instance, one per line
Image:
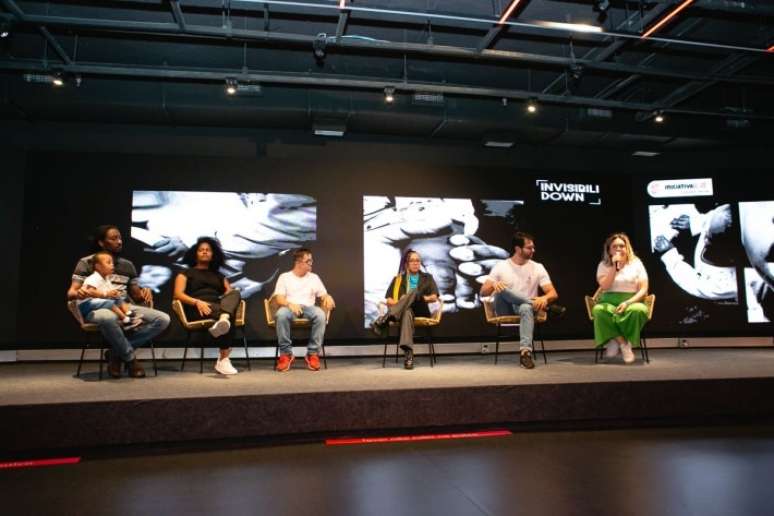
(406, 297)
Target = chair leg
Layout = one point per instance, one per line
(101, 356)
(153, 358)
(597, 354)
(80, 362)
(201, 359)
(430, 346)
(542, 345)
(185, 351)
(384, 355)
(276, 355)
(497, 344)
(644, 349)
(247, 351)
(325, 360)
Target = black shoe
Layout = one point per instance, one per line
(556, 311)
(114, 366)
(380, 326)
(408, 363)
(526, 360)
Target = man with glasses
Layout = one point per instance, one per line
(296, 293)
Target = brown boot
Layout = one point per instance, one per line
(136, 370)
(114, 365)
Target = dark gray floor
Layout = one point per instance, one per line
(682, 471)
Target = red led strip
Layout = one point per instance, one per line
(666, 19)
(413, 438)
(509, 11)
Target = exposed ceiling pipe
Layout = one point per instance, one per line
(327, 81)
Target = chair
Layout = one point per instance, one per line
(650, 301)
(512, 321)
(419, 322)
(92, 332)
(270, 307)
(201, 325)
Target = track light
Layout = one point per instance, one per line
(601, 7)
(389, 94)
(231, 86)
(658, 117)
(5, 29)
(532, 106)
(318, 46)
(57, 79)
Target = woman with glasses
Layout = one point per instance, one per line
(407, 297)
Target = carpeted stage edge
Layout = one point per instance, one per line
(154, 421)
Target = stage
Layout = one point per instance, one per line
(43, 406)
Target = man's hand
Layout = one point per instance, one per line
(499, 286)
(540, 303)
(203, 308)
(113, 293)
(296, 309)
(681, 223)
(662, 245)
(390, 301)
(146, 295)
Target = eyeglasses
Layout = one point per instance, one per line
(308, 262)
(415, 261)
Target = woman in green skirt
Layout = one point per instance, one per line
(619, 314)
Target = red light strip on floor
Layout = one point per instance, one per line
(668, 17)
(39, 462)
(413, 438)
(509, 11)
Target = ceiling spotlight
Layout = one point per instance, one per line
(231, 86)
(658, 117)
(389, 94)
(5, 29)
(318, 46)
(601, 7)
(532, 106)
(57, 79)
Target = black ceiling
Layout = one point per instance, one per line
(166, 62)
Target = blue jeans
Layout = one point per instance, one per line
(509, 303)
(94, 303)
(284, 320)
(153, 323)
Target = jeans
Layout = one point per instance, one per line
(284, 319)
(509, 303)
(153, 323)
(93, 303)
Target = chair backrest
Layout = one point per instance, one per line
(72, 306)
(270, 308)
(177, 307)
(489, 312)
(438, 312)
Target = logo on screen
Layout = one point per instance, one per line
(569, 192)
(681, 188)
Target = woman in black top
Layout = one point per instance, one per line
(207, 294)
(407, 297)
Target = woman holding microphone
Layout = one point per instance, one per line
(619, 314)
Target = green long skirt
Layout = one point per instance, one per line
(609, 325)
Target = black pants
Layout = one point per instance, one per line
(227, 304)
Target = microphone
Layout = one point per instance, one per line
(617, 259)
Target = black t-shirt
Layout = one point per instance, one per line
(204, 284)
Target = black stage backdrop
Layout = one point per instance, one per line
(67, 195)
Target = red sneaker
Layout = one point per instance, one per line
(284, 363)
(312, 362)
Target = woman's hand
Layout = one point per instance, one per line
(203, 308)
(622, 307)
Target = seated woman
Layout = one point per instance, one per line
(619, 314)
(407, 296)
(207, 294)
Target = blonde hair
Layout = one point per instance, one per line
(630, 256)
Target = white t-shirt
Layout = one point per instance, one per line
(95, 279)
(627, 279)
(522, 280)
(300, 290)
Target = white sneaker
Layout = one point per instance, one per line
(223, 366)
(628, 354)
(220, 327)
(611, 349)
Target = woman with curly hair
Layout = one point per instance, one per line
(207, 294)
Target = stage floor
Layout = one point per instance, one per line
(47, 383)
(49, 408)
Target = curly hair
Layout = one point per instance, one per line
(218, 258)
(100, 234)
(630, 256)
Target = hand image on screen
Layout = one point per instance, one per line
(442, 231)
(255, 230)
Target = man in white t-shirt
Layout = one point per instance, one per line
(296, 293)
(514, 283)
